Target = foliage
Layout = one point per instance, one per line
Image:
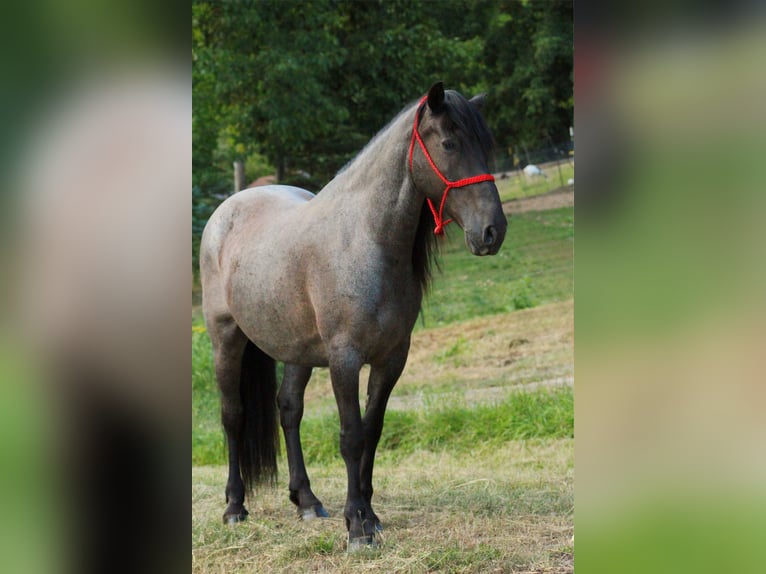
(263, 72)
(530, 49)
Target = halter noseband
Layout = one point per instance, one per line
(438, 215)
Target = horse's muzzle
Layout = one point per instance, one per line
(488, 242)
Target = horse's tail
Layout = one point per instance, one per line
(259, 441)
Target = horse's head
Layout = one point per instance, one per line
(449, 154)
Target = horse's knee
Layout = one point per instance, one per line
(351, 443)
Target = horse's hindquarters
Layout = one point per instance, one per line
(254, 262)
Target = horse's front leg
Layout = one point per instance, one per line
(345, 365)
(383, 377)
(290, 400)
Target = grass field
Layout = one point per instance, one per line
(534, 267)
(475, 468)
(506, 509)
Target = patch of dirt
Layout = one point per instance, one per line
(559, 197)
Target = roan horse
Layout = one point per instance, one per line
(337, 280)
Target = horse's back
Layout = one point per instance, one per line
(248, 209)
(283, 192)
(257, 201)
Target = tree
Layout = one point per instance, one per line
(528, 55)
(267, 67)
(308, 85)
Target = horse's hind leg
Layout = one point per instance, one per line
(290, 400)
(228, 346)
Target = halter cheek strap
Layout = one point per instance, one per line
(439, 215)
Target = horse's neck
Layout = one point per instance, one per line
(378, 185)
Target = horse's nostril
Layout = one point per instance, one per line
(490, 235)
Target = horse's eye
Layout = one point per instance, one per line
(449, 145)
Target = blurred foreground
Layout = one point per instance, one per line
(670, 281)
(94, 370)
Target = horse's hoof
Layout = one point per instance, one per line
(361, 543)
(235, 517)
(316, 511)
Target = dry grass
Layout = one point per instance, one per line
(498, 510)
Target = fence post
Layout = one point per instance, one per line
(239, 175)
(558, 166)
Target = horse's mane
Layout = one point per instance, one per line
(425, 249)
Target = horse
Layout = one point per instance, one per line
(336, 280)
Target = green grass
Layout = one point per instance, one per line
(522, 415)
(33, 512)
(207, 432)
(533, 267)
(677, 528)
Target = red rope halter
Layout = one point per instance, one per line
(438, 215)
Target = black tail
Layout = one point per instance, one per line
(259, 441)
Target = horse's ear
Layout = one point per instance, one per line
(478, 101)
(436, 97)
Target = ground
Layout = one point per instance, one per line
(504, 510)
(560, 197)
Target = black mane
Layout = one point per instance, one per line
(425, 249)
